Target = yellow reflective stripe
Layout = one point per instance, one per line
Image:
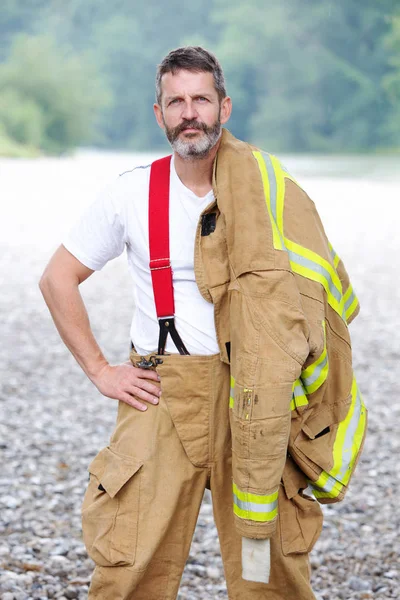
(232, 393)
(311, 274)
(277, 239)
(280, 192)
(357, 439)
(309, 371)
(335, 257)
(256, 498)
(316, 373)
(341, 436)
(350, 299)
(311, 378)
(303, 261)
(326, 486)
(316, 258)
(312, 266)
(299, 397)
(349, 437)
(351, 308)
(255, 516)
(255, 507)
(350, 302)
(333, 494)
(319, 375)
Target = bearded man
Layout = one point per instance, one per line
(211, 405)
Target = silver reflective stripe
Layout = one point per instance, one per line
(254, 506)
(327, 487)
(333, 253)
(313, 266)
(272, 184)
(298, 389)
(347, 450)
(349, 301)
(273, 191)
(308, 381)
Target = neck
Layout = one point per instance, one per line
(196, 174)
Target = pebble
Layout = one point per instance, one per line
(213, 573)
(51, 432)
(357, 584)
(71, 592)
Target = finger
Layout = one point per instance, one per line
(148, 387)
(142, 395)
(147, 374)
(128, 399)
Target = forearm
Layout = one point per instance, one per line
(71, 319)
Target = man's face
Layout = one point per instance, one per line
(191, 113)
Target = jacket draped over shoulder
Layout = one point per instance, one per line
(282, 301)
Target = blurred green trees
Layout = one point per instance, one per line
(304, 75)
(49, 99)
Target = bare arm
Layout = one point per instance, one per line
(59, 285)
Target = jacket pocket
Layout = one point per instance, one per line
(110, 509)
(329, 444)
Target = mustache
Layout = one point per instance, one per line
(192, 124)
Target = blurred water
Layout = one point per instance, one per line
(358, 197)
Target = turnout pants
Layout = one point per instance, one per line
(143, 499)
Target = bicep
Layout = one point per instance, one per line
(65, 265)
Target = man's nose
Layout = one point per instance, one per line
(189, 110)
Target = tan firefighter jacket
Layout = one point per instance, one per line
(282, 302)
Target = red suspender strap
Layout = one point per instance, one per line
(160, 264)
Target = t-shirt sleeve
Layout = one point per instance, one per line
(100, 233)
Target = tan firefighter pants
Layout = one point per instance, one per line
(143, 499)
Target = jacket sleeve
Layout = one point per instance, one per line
(268, 340)
(269, 345)
(351, 303)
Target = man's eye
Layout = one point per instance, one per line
(202, 99)
(175, 101)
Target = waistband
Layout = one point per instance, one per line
(173, 359)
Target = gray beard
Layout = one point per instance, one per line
(195, 149)
(191, 149)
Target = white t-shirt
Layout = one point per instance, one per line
(119, 218)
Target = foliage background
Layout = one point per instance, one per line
(304, 75)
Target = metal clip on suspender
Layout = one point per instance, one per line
(148, 364)
(160, 264)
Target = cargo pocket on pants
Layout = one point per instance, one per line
(300, 522)
(110, 509)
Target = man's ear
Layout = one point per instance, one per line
(226, 110)
(158, 115)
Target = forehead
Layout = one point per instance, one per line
(187, 82)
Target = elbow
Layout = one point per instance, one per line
(49, 281)
(44, 284)
(54, 283)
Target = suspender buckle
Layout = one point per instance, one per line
(167, 325)
(151, 363)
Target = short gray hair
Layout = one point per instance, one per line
(191, 58)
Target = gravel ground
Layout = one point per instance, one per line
(54, 421)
